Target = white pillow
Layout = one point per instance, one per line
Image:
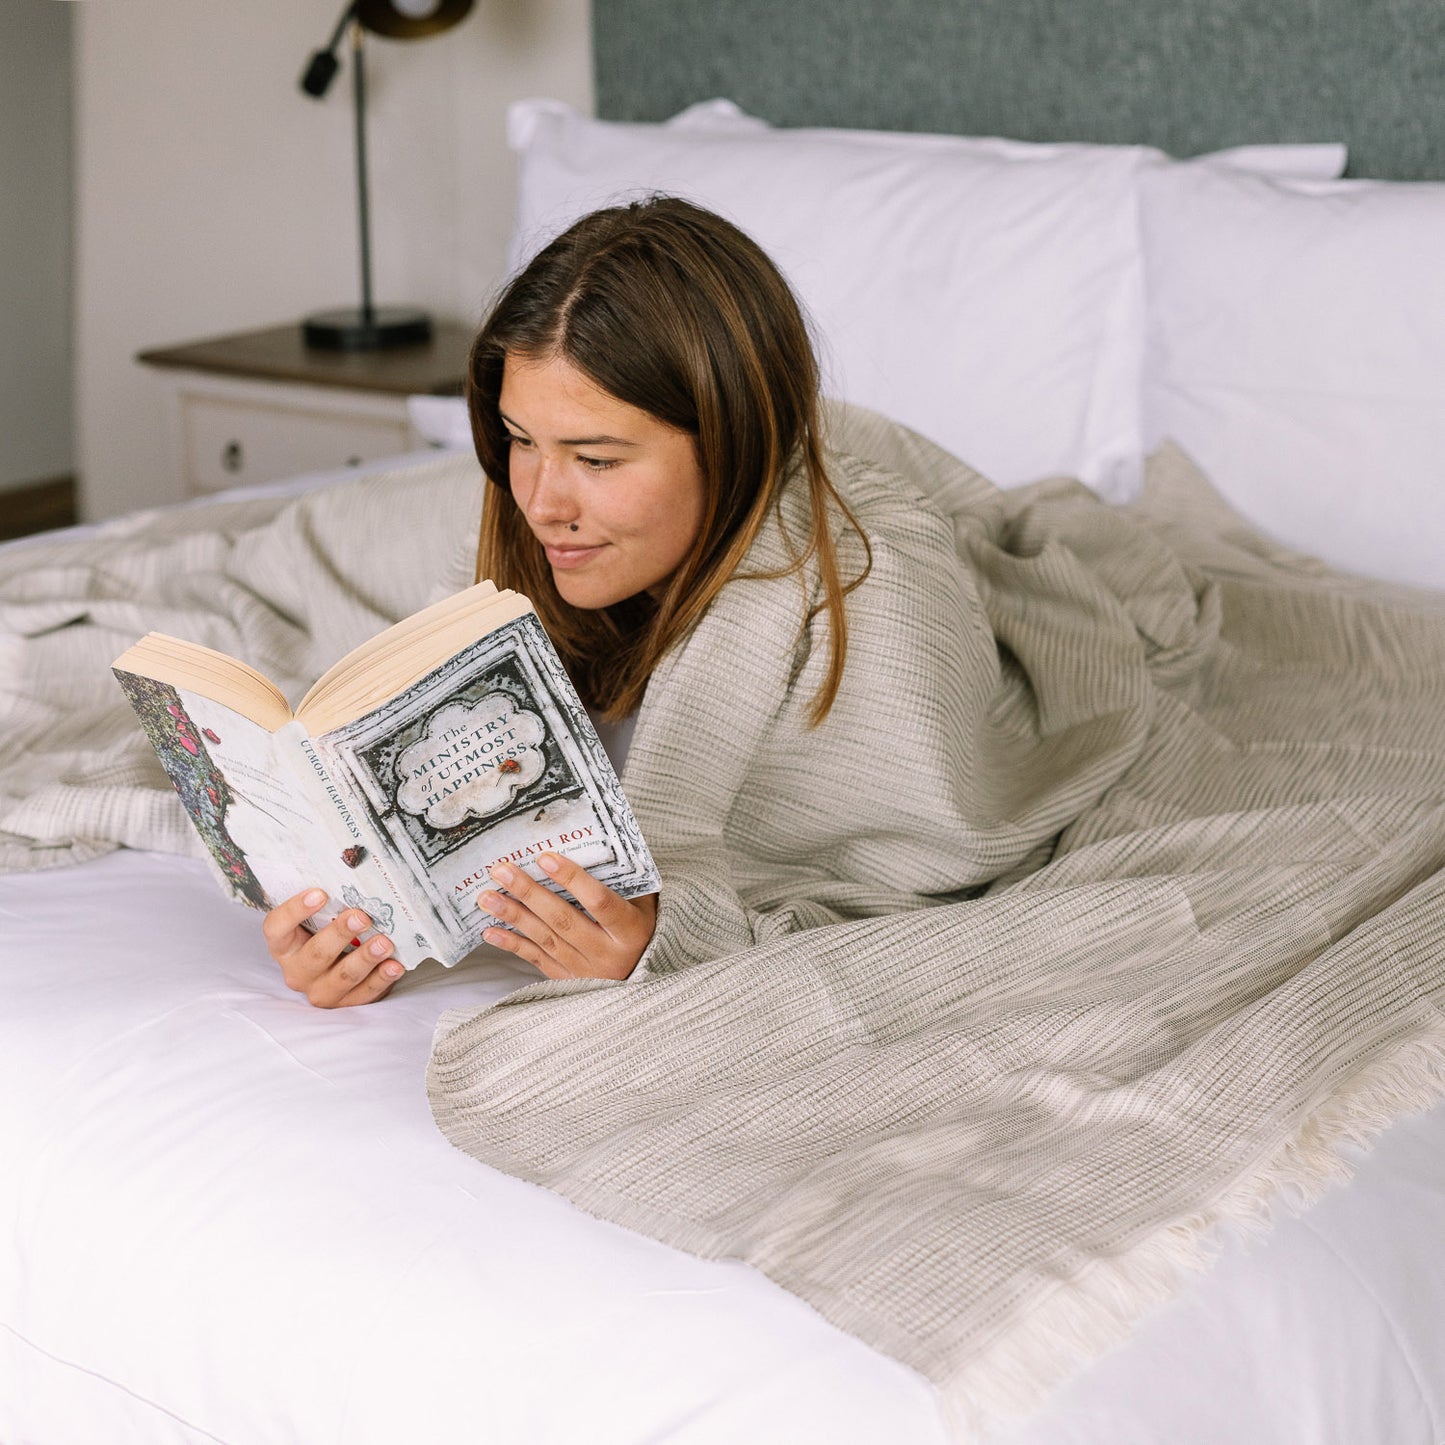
(1296, 349)
(441, 421)
(985, 292)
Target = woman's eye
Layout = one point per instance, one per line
(598, 464)
(517, 441)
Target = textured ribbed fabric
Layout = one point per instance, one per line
(287, 586)
(1107, 899)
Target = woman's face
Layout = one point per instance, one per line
(613, 494)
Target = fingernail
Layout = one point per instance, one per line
(548, 863)
(356, 921)
(391, 970)
(377, 948)
(314, 899)
(503, 872)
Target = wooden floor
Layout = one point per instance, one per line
(37, 508)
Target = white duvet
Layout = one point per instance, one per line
(228, 1216)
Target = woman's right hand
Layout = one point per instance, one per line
(323, 965)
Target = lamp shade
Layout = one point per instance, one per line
(410, 19)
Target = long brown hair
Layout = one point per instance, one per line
(673, 310)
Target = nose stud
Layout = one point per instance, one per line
(571, 526)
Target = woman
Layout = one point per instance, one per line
(638, 397)
(867, 684)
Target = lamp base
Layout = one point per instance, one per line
(352, 329)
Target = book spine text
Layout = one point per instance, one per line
(358, 862)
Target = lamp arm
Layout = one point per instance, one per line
(322, 67)
(346, 16)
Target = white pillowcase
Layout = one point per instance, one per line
(985, 292)
(441, 421)
(1296, 349)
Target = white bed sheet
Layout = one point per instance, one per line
(227, 1216)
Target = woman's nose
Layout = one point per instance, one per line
(550, 498)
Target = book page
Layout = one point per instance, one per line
(359, 657)
(488, 757)
(191, 665)
(385, 664)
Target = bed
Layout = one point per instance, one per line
(229, 1217)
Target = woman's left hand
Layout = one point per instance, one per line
(563, 942)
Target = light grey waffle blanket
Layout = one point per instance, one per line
(1107, 900)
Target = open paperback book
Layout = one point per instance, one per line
(449, 742)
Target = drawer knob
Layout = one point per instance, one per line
(233, 458)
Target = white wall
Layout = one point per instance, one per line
(35, 223)
(214, 196)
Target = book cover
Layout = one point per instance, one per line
(264, 841)
(489, 757)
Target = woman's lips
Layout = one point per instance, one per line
(567, 557)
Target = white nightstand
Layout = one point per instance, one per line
(260, 405)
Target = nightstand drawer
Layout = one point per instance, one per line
(229, 442)
(260, 406)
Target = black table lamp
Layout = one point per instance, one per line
(369, 327)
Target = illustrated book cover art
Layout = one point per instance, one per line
(448, 743)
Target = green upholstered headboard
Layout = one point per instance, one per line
(1185, 75)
